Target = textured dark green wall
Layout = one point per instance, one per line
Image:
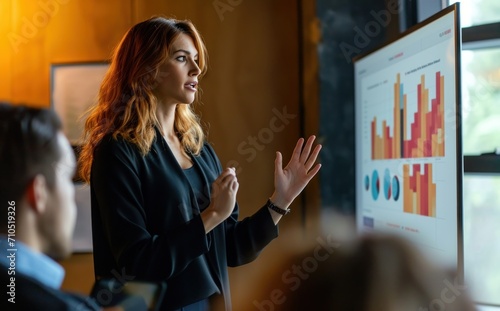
(348, 29)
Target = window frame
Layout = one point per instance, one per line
(479, 37)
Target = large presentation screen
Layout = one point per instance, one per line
(408, 146)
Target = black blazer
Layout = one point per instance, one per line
(146, 223)
(33, 295)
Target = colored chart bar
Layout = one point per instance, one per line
(419, 192)
(426, 135)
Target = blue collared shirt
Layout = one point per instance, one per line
(31, 263)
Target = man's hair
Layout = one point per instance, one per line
(28, 147)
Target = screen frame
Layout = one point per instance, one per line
(455, 9)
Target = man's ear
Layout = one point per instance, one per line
(37, 194)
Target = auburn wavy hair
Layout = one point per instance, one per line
(126, 105)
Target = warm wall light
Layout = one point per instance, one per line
(5, 49)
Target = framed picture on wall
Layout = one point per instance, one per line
(73, 89)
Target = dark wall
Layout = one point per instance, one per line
(349, 27)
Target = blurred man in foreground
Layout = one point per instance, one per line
(37, 211)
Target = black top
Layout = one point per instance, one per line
(195, 179)
(146, 223)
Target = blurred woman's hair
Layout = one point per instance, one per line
(375, 273)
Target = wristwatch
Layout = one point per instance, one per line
(277, 209)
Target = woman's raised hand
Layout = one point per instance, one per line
(291, 180)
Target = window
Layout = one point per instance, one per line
(480, 20)
(477, 12)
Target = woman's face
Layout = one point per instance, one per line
(177, 82)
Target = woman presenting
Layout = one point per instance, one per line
(163, 208)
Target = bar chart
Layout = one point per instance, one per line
(419, 192)
(418, 188)
(425, 135)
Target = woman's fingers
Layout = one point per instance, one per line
(235, 185)
(226, 182)
(300, 154)
(312, 159)
(278, 163)
(297, 150)
(226, 178)
(314, 171)
(307, 149)
(226, 172)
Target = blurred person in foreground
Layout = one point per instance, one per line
(373, 273)
(38, 211)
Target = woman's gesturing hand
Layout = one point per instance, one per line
(224, 190)
(223, 199)
(291, 180)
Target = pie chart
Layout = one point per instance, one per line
(387, 184)
(395, 188)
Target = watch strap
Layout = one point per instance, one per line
(277, 209)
